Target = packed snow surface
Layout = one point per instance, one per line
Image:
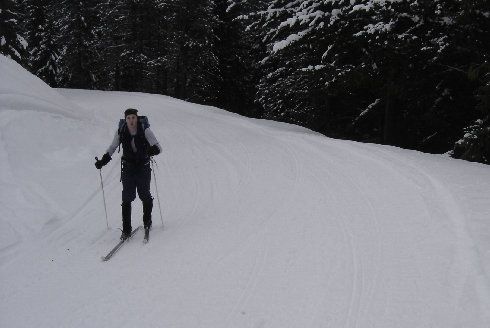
(265, 224)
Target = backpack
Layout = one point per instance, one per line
(143, 124)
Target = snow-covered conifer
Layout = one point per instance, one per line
(42, 37)
(12, 42)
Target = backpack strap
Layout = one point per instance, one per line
(122, 122)
(122, 125)
(143, 120)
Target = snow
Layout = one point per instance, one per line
(380, 27)
(368, 109)
(266, 224)
(22, 41)
(313, 68)
(289, 40)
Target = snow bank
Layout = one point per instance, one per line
(40, 133)
(21, 90)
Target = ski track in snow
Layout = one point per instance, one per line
(266, 225)
(357, 276)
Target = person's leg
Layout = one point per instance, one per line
(143, 181)
(128, 195)
(147, 208)
(126, 220)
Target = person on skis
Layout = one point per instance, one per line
(139, 144)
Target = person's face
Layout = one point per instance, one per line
(131, 121)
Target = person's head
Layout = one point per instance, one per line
(131, 116)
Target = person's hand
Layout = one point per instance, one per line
(105, 159)
(154, 150)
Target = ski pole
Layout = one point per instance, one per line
(103, 196)
(156, 187)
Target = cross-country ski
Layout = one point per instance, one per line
(119, 245)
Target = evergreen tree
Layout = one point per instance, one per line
(132, 43)
(292, 84)
(12, 43)
(474, 145)
(109, 42)
(142, 50)
(369, 70)
(43, 58)
(401, 45)
(238, 51)
(193, 64)
(77, 20)
(468, 79)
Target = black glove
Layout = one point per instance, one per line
(154, 150)
(101, 162)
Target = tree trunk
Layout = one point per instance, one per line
(390, 117)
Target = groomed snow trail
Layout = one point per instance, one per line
(266, 225)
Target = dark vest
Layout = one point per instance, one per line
(141, 155)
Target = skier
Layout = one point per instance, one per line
(138, 143)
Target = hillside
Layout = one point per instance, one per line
(265, 224)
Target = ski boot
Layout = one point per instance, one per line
(126, 220)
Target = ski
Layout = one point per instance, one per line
(118, 246)
(146, 239)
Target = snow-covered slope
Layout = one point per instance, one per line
(266, 224)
